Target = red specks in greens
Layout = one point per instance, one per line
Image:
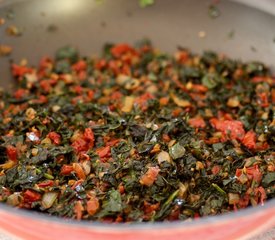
(138, 135)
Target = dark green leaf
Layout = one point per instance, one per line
(145, 3)
(112, 205)
(211, 80)
(67, 52)
(213, 11)
(268, 178)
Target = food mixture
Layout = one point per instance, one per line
(138, 135)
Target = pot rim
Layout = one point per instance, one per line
(247, 212)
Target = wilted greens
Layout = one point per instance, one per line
(138, 135)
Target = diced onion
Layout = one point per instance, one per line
(86, 167)
(128, 104)
(183, 189)
(164, 157)
(233, 198)
(48, 199)
(180, 102)
(14, 199)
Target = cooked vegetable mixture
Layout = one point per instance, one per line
(138, 135)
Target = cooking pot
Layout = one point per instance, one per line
(237, 30)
